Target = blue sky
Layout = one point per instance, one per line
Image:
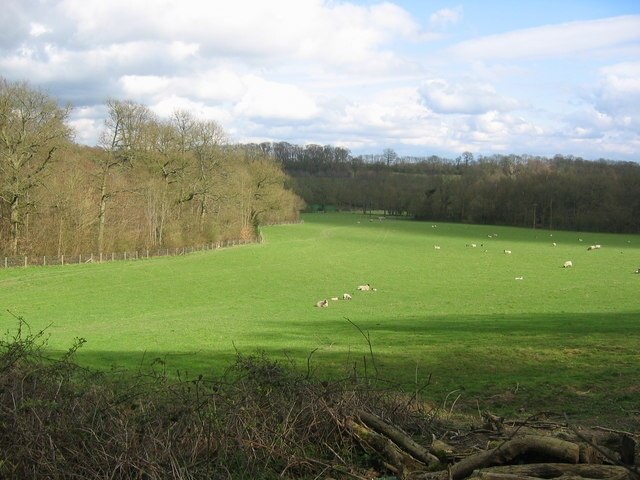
(422, 77)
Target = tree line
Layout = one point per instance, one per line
(150, 182)
(563, 192)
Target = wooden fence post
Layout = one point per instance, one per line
(62, 259)
(25, 261)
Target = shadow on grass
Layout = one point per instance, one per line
(586, 365)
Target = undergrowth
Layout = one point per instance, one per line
(261, 419)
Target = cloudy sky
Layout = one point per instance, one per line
(421, 77)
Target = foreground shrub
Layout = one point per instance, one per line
(261, 419)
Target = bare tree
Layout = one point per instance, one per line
(32, 128)
(120, 140)
(389, 156)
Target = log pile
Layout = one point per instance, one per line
(512, 451)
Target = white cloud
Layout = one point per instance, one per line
(169, 104)
(316, 30)
(87, 122)
(558, 40)
(618, 94)
(37, 29)
(445, 17)
(143, 86)
(266, 100)
(468, 97)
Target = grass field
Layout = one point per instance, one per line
(565, 340)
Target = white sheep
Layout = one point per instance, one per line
(519, 278)
(597, 246)
(567, 264)
(637, 270)
(436, 247)
(555, 244)
(507, 252)
(591, 247)
(322, 303)
(364, 288)
(346, 296)
(335, 299)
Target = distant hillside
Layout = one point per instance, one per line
(519, 190)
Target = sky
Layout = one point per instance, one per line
(420, 77)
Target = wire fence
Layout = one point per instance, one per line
(45, 260)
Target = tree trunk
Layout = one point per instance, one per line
(102, 212)
(529, 445)
(553, 470)
(15, 224)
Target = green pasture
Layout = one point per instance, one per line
(565, 340)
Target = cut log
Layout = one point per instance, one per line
(396, 460)
(402, 440)
(551, 449)
(554, 470)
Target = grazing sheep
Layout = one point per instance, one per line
(519, 278)
(436, 247)
(555, 244)
(580, 240)
(591, 247)
(567, 264)
(598, 246)
(637, 270)
(507, 252)
(346, 296)
(335, 299)
(322, 303)
(364, 288)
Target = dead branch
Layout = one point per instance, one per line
(402, 440)
(395, 459)
(554, 470)
(509, 451)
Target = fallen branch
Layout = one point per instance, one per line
(402, 440)
(527, 446)
(399, 462)
(553, 470)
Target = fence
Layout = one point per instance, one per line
(27, 261)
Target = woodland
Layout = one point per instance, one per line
(562, 192)
(150, 182)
